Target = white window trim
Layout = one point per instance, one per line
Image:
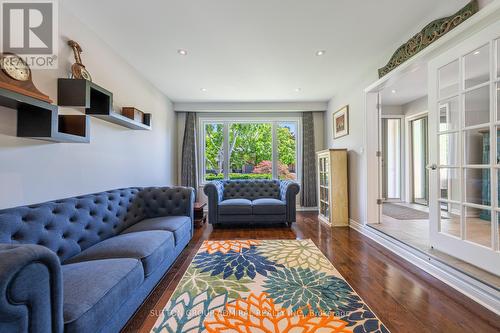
(228, 119)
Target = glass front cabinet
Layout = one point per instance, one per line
(332, 187)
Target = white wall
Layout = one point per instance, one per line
(33, 171)
(392, 110)
(415, 107)
(354, 142)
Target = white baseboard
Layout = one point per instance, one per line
(470, 287)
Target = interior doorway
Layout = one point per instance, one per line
(391, 158)
(419, 158)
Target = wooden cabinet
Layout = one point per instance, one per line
(333, 198)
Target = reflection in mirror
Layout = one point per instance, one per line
(478, 226)
(448, 149)
(449, 222)
(477, 106)
(477, 68)
(477, 146)
(477, 186)
(449, 115)
(448, 79)
(449, 184)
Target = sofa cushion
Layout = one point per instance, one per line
(179, 225)
(93, 291)
(151, 247)
(268, 206)
(235, 207)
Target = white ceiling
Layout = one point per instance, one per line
(256, 50)
(406, 89)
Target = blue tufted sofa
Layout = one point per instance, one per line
(251, 201)
(85, 264)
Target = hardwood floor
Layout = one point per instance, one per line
(404, 297)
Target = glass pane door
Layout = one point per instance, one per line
(463, 142)
(324, 195)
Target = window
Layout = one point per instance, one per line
(287, 150)
(214, 154)
(249, 149)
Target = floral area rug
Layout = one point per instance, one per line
(264, 286)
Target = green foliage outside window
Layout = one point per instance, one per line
(250, 151)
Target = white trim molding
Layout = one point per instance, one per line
(250, 106)
(463, 283)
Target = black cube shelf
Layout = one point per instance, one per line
(39, 120)
(97, 101)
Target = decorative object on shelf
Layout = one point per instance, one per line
(333, 200)
(428, 35)
(341, 122)
(78, 70)
(16, 76)
(133, 113)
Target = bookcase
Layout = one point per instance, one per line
(332, 191)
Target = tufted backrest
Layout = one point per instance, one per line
(163, 201)
(251, 189)
(71, 225)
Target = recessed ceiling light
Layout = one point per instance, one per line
(204, 89)
(298, 89)
(477, 52)
(320, 52)
(182, 52)
(393, 91)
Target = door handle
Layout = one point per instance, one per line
(432, 166)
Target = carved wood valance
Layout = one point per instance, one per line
(428, 35)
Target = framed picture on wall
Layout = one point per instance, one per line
(341, 122)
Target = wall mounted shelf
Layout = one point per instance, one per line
(40, 120)
(97, 101)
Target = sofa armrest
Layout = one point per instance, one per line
(215, 193)
(31, 296)
(288, 194)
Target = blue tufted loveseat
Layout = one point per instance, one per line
(85, 264)
(251, 201)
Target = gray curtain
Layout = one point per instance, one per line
(189, 164)
(308, 197)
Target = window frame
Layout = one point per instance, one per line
(228, 119)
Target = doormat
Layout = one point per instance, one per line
(400, 212)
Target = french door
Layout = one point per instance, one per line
(464, 135)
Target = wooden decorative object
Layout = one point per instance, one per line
(333, 199)
(78, 70)
(432, 32)
(133, 113)
(15, 75)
